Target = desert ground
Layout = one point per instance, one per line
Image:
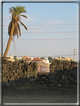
(37, 93)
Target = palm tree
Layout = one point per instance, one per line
(14, 27)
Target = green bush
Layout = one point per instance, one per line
(15, 58)
(71, 60)
(42, 58)
(51, 60)
(58, 57)
(24, 59)
(8, 57)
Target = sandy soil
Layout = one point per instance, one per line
(39, 94)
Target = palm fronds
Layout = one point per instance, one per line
(23, 25)
(18, 10)
(16, 14)
(19, 28)
(23, 15)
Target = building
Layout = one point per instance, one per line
(37, 59)
(45, 60)
(64, 58)
(18, 58)
(27, 58)
(11, 57)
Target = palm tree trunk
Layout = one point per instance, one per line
(9, 41)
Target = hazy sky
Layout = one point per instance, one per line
(54, 25)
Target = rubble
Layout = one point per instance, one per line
(61, 73)
(17, 70)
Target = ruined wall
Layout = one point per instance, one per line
(15, 72)
(61, 72)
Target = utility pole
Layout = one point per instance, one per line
(74, 54)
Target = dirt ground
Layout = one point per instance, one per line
(39, 94)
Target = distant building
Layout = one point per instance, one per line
(18, 58)
(45, 60)
(11, 57)
(27, 58)
(31, 58)
(37, 59)
(64, 58)
(69, 59)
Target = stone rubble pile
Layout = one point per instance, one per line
(61, 73)
(17, 72)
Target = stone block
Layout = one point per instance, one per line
(21, 64)
(28, 75)
(16, 74)
(14, 71)
(12, 78)
(5, 71)
(11, 75)
(4, 65)
(7, 84)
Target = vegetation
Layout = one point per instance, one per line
(8, 57)
(63, 57)
(24, 59)
(58, 57)
(71, 60)
(42, 57)
(14, 27)
(50, 59)
(15, 58)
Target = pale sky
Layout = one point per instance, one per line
(54, 25)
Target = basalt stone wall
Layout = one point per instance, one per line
(61, 73)
(17, 72)
(63, 65)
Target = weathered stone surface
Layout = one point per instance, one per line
(61, 73)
